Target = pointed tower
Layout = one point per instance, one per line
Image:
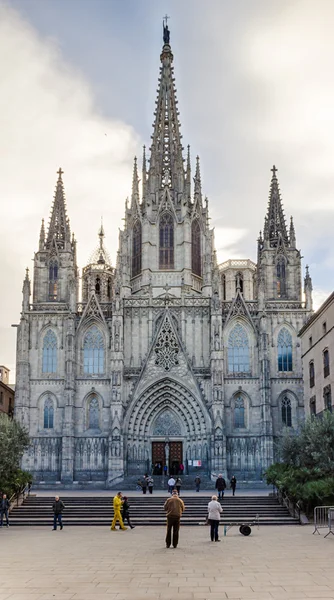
(279, 261)
(55, 268)
(98, 275)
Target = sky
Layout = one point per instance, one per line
(78, 85)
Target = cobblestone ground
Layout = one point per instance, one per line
(83, 563)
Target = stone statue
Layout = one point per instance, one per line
(166, 34)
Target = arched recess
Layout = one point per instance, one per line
(92, 407)
(98, 344)
(136, 255)
(196, 254)
(281, 287)
(287, 408)
(47, 413)
(240, 411)
(284, 340)
(239, 343)
(166, 241)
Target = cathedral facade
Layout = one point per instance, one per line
(169, 358)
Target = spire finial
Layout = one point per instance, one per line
(166, 32)
(101, 233)
(60, 173)
(274, 171)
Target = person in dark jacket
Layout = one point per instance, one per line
(233, 483)
(126, 512)
(178, 484)
(197, 483)
(57, 507)
(4, 509)
(220, 486)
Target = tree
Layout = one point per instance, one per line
(14, 440)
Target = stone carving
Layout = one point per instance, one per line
(167, 348)
(166, 425)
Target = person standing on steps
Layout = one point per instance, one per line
(57, 507)
(214, 512)
(117, 503)
(126, 512)
(197, 483)
(174, 508)
(220, 486)
(150, 483)
(171, 484)
(178, 484)
(4, 509)
(144, 483)
(233, 483)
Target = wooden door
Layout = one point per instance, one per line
(175, 457)
(158, 453)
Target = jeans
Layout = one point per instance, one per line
(172, 523)
(220, 493)
(197, 487)
(214, 525)
(150, 489)
(2, 514)
(55, 519)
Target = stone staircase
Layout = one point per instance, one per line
(148, 510)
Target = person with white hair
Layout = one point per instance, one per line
(214, 512)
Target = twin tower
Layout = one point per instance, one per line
(168, 358)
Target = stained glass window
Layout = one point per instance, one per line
(284, 349)
(286, 412)
(93, 352)
(238, 350)
(49, 360)
(239, 413)
(281, 277)
(48, 414)
(196, 262)
(94, 414)
(136, 249)
(166, 239)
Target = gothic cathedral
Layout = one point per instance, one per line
(169, 358)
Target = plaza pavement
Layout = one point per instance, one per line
(83, 563)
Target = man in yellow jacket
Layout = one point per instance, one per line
(117, 503)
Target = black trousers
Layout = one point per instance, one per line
(214, 525)
(172, 523)
(126, 517)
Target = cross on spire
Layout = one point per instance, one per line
(166, 17)
(274, 171)
(60, 172)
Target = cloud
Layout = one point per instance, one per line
(48, 118)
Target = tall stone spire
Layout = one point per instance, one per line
(59, 227)
(292, 235)
(42, 237)
(166, 162)
(144, 175)
(188, 176)
(135, 206)
(274, 225)
(198, 182)
(308, 290)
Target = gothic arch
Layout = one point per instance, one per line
(48, 398)
(293, 400)
(81, 340)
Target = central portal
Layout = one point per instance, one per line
(167, 454)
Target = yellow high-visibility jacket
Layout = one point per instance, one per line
(117, 503)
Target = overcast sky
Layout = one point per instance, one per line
(255, 87)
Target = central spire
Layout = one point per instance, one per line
(59, 228)
(166, 162)
(275, 226)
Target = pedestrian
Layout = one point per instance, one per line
(126, 512)
(214, 512)
(144, 484)
(57, 507)
(171, 484)
(165, 470)
(178, 484)
(4, 510)
(174, 508)
(220, 486)
(197, 483)
(181, 468)
(117, 504)
(233, 483)
(139, 486)
(150, 483)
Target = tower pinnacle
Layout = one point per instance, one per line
(274, 225)
(59, 227)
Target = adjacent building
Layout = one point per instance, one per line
(168, 357)
(317, 338)
(6, 392)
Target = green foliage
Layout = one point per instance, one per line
(14, 440)
(306, 471)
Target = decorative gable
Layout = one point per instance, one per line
(166, 348)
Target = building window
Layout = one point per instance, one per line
(109, 288)
(1, 397)
(313, 406)
(224, 286)
(53, 279)
(328, 398)
(239, 413)
(311, 373)
(93, 348)
(196, 262)
(326, 363)
(284, 349)
(310, 341)
(94, 414)
(97, 286)
(324, 328)
(136, 249)
(286, 412)
(239, 283)
(49, 361)
(238, 350)
(281, 277)
(48, 414)
(166, 239)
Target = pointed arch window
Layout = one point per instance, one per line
(109, 288)
(312, 374)
(94, 414)
(98, 286)
(224, 286)
(239, 413)
(49, 359)
(239, 283)
(284, 350)
(93, 349)
(53, 279)
(166, 241)
(196, 258)
(136, 249)
(281, 277)
(286, 412)
(238, 350)
(48, 414)
(326, 362)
